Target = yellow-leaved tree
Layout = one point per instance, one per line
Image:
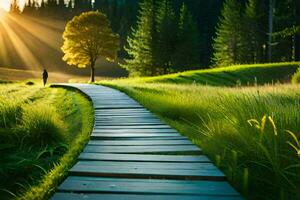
(88, 37)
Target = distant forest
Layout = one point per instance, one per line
(225, 32)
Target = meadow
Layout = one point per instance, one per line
(242, 75)
(251, 133)
(37, 132)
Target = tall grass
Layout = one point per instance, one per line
(245, 75)
(41, 125)
(37, 128)
(242, 129)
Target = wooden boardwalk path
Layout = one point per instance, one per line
(132, 155)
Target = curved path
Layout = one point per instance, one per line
(132, 155)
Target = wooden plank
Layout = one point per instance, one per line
(128, 120)
(127, 130)
(124, 111)
(147, 116)
(120, 172)
(151, 165)
(120, 123)
(129, 136)
(141, 149)
(142, 186)
(120, 115)
(128, 110)
(133, 114)
(115, 107)
(137, 138)
(139, 143)
(93, 196)
(133, 127)
(113, 102)
(142, 158)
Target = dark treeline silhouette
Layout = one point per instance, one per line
(190, 34)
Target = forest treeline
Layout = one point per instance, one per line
(164, 36)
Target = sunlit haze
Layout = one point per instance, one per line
(5, 4)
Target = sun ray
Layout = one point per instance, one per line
(46, 35)
(21, 49)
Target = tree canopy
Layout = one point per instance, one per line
(88, 37)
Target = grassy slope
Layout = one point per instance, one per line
(230, 76)
(217, 119)
(45, 111)
(21, 74)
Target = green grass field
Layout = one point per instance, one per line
(37, 132)
(244, 130)
(245, 75)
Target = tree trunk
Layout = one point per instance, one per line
(271, 7)
(297, 48)
(92, 72)
(297, 36)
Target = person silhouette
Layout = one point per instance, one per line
(45, 77)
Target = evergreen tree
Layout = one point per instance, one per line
(15, 7)
(166, 35)
(187, 47)
(297, 36)
(29, 8)
(82, 6)
(285, 31)
(140, 43)
(227, 44)
(41, 11)
(252, 34)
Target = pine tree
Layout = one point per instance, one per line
(140, 43)
(42, 9)
(285, 31)
(15, 7)
(227, 44)
(297, 36)
(166, 35)
(29, 8)
(187, 48)
(252, 34)
(82, 6)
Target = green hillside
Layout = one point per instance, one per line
(230, 76)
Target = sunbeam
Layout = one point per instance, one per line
(20, 47)
(5, 4)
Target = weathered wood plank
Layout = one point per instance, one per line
(137, 138)
(142, 158)
(135, 135)
(151, 165)
(93, 196)
(142, 171)
(127, 130)
(142, 186)
(140, 149)
(132, 127)
(123, 111)
(139, 143)
(125, 120)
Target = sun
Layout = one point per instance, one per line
(5, 4)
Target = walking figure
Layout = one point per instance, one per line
(45, 77)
